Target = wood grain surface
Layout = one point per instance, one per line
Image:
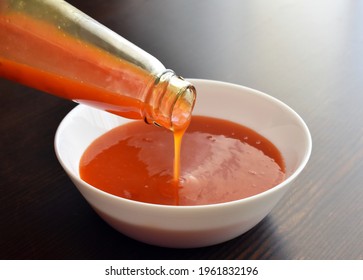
(307, 53)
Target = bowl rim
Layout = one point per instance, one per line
(135, 203)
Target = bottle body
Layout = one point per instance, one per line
(52, 46)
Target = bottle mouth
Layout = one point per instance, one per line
(183, 108)
(171, 102)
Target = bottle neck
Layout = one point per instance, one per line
(170, 102)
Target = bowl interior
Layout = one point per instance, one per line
(261, 112)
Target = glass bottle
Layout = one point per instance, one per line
(52, 46)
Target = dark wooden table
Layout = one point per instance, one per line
(306, 53)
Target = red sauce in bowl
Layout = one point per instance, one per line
(220, 161)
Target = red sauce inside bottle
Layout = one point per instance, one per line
(220, 161)
(51, 60)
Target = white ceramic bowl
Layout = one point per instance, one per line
(191, 226)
